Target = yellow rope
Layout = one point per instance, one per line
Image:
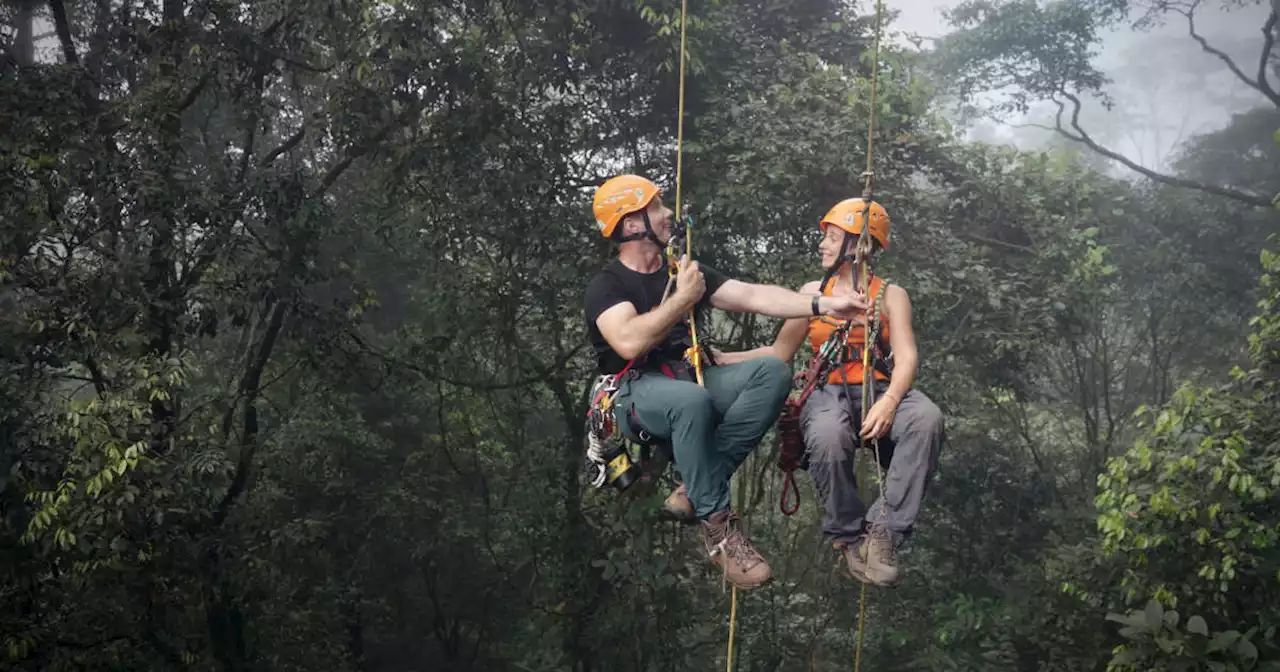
(688, 234)
(733, 613)
(871, 118)
(696, 351)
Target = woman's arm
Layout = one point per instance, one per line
(902, 341)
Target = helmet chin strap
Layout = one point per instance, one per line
(845, 256)
(647, 233)
(842, 258)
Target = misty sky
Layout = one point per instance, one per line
(1167, 88)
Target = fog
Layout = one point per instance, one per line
(1165, 86)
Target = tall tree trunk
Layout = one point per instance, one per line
(576, 540)
(24, 42)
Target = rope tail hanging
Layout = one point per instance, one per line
(695, 351)
(863, 284)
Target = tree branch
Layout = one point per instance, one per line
(1084, 138)
(993, 241)
(285, 146)
(194, 94)
(352, 154)
(1268, 42)
(63, 28)
(1260, 84)
(99, 381)
(249, 387)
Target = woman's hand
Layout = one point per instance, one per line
(880, 418)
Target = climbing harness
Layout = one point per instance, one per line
(791, 453)
(611, 458)
(835, 351)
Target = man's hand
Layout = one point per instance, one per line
(845, 306)
(690, 284)
(879, 418)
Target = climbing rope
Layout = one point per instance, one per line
(863, 283)
(695, 351)
(862, 280)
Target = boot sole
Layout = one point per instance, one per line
(683, 519)
(752, 586)
(863, 578)
(744, 586)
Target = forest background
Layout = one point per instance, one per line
(292, 362)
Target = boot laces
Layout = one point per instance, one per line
(734, 544)
(881, 546)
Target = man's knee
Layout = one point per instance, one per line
(772, 373)
(689, 401)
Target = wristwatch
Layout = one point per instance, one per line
(816, 312)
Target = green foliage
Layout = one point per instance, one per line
(1158, 641)
(1027, 50)
(292, 369)
(1191, 506)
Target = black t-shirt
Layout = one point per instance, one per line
(615, 284)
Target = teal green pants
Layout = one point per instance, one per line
(713, 429)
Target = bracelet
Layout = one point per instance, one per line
(816, 312)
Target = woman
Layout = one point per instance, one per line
(831, 420)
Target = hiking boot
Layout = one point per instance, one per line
(873, 559)
(730, 550)
(678, 505)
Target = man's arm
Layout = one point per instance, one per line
(630, 334)
(771, 300)
(785, 344)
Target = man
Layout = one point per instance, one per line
(711, 430)
(831, 419)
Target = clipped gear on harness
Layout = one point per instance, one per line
(608, 460)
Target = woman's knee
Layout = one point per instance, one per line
(826, 438)
(925, 418)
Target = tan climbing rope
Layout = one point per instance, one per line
(695, 352)
(863, 282)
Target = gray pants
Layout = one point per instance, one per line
(830, 423)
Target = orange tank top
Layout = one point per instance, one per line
(821, 328)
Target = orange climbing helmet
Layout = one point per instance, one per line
(848, 215)
(618, 197)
